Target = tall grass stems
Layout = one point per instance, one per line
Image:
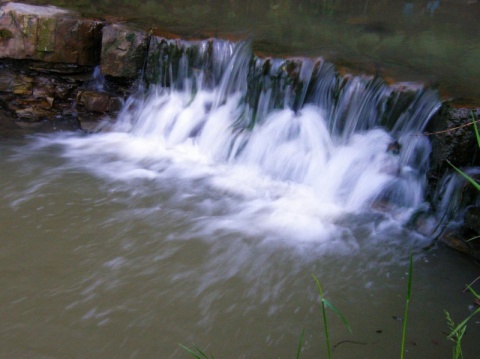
(405, 317)
(456, 331)
(326, 303)
(300, 345)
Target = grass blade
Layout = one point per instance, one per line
(459, 327)
(405, 317)
(467, 177)
(199, 354)
(300, 345)
(326, 303)
(472, 239)
(325, 324)
(475, 294)
(337, 312)
(475, 127)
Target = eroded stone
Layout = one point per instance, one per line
(123, 51)
(48, 34)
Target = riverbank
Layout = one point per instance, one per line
(62, 72)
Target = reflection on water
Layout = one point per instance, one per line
(435, 41)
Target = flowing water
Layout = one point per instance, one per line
(201, 213)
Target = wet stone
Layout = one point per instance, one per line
(455, 238)
(15, 83)
(96, 101)
(472, 219)
(123, 51)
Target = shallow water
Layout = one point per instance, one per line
(97, 266)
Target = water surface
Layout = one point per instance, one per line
(200, 214)
(432, 41)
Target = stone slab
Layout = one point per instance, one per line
(48, 34)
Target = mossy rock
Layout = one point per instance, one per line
(5, 35)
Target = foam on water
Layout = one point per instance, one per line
(288, 159)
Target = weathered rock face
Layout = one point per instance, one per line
(47, 60)
(123, 51)
(48, 34)
(37, 96)
(453, 140)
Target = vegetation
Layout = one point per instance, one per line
(456, 331)
(326, 303)
(467, 177)
(405, 317)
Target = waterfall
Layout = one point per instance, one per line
(293, 146)
(296, 120)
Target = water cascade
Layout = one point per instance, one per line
(200, 213)
(348, 143)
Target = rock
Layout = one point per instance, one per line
(63, 91)
(456, 141)
(98, 101)
(44, 88)
(472, 219)
(94, 101)
(15, 83)
(454, 238)
(123, 51)
(54, 125)
(35, 111)
(49, 34)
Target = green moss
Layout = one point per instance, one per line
(5, 35)
(46, 34)
(130, 37)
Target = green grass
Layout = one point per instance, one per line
(467, 177)
(326, 303)
(197, 352)
(300, 345)
(456, 331)
(405, 317)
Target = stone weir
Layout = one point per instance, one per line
(59, 71)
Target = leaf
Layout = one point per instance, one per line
(337, 312)
(473, 292)
(330, 305)
(462, 324)
(300, 344)
(199, 355)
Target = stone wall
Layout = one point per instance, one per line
(49, 68)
